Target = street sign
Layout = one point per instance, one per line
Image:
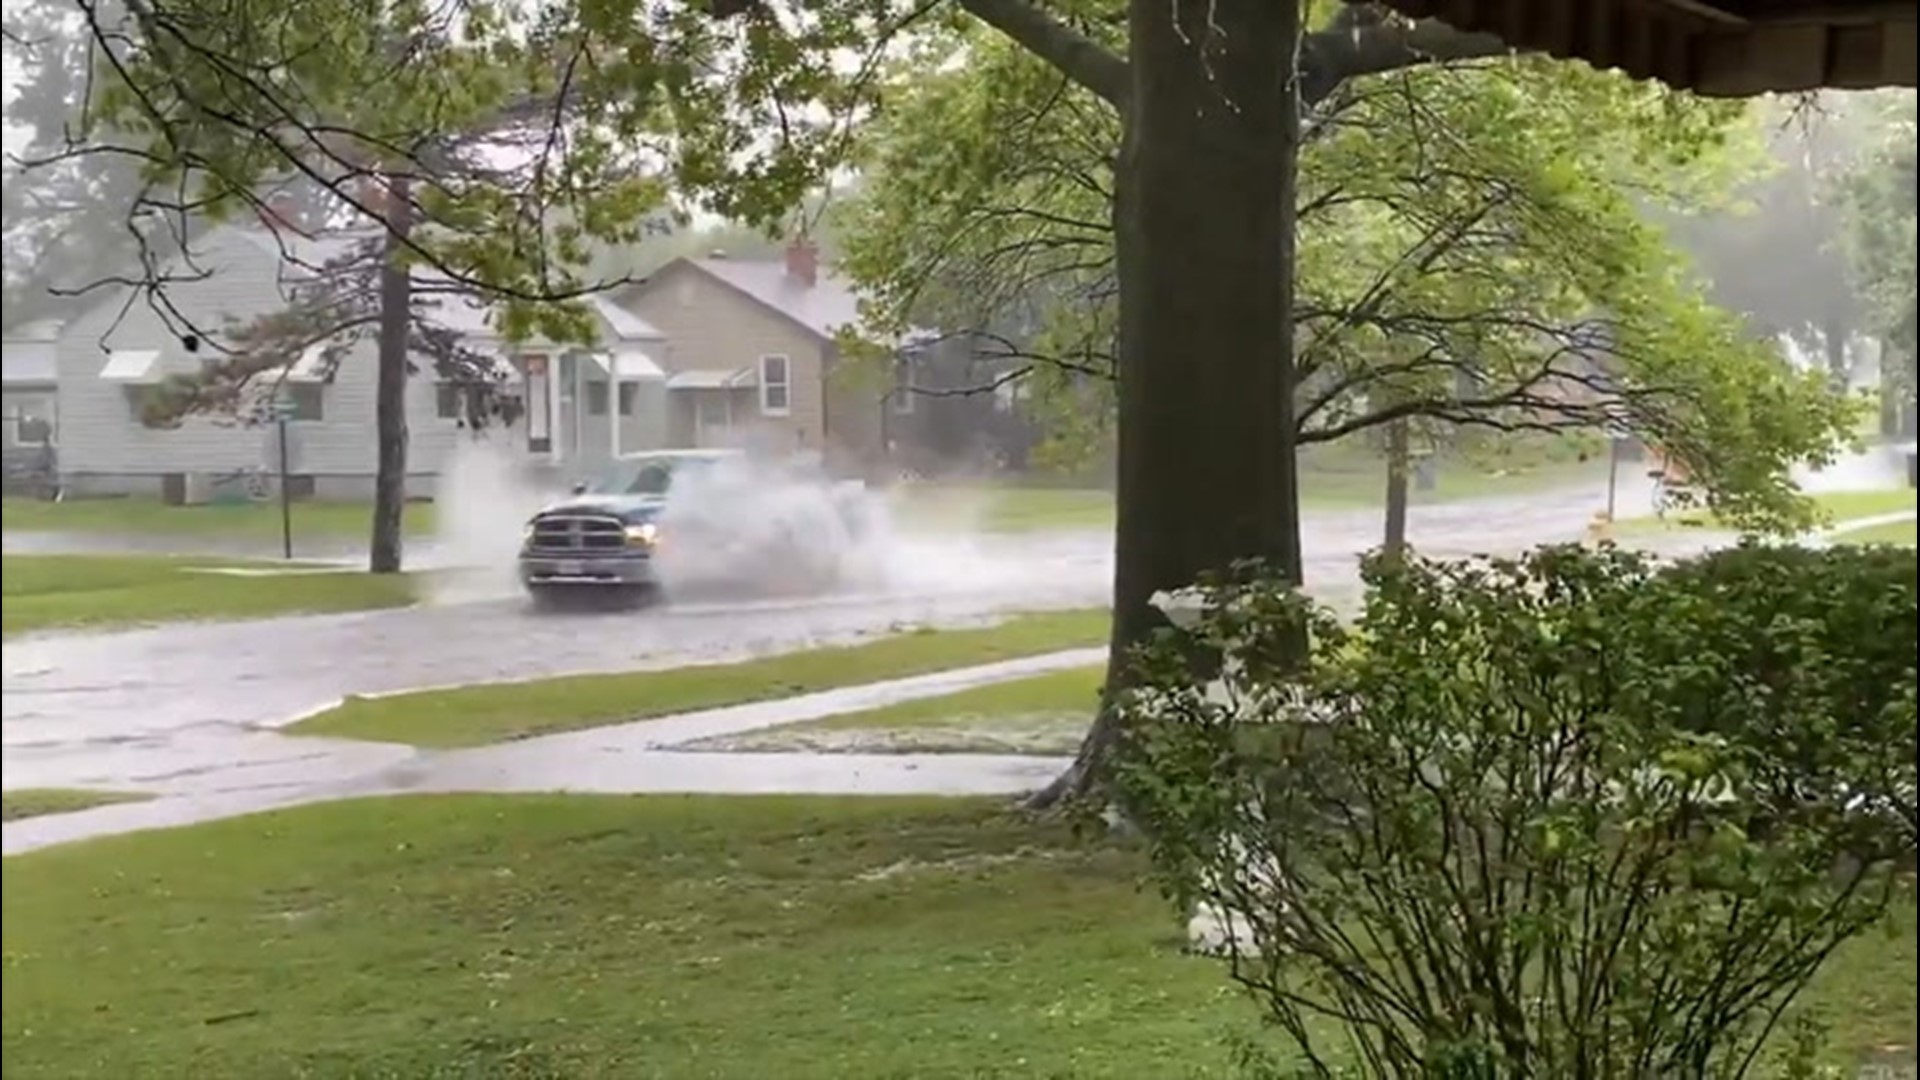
(283, 411)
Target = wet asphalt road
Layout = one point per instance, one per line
(189, 711)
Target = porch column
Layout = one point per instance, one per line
(613, 406)
(554, 453)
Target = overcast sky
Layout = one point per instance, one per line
(14, 137)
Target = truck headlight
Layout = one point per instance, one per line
(526, 533)
(643, 535)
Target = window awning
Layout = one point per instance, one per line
(131, 366)
(629, 364)
(712, 379)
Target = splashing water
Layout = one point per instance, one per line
(783, 527)
(1871, 469)
(753, 528)
(486, 494)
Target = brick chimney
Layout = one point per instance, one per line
(279, 211)
(803, 262)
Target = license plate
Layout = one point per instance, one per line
(570, 569)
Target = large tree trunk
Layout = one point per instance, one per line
(1204, 211)
(390, 388)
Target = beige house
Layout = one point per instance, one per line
(751, 358)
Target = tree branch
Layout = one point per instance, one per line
(1074, 54)
(1365, 39)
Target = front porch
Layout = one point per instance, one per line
(582, 409)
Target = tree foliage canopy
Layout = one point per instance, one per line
(1878, 195)
(1471, 253)
(456, 115)
(65, 221)
(522, 139)
(1768, 249)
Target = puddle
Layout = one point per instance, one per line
(966, 864)
(268, 571)
(1043, 734)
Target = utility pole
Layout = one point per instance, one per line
(1613, 474)
(1399, 461)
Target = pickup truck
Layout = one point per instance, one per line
(681, 520)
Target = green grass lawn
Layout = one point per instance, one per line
(40, 802)
(1044, 714)
(1332, 477)
(1837, 507)
(997, 508)
(649, 938)
(143, 516)
(1352, 476)
(1899, 533)
(44, 592)
(1346, 483)
(470, 716)
(1842, 506)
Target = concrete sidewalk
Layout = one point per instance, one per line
(619, 758)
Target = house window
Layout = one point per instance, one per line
(629, 398)
(308, 399)
(25, 430)
(29, 421)
(446, 402)
(140, 399)
(776, 386)
(903, 385)
(596, 399)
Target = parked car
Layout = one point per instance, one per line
(688, 520)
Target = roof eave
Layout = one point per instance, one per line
(1716, 48)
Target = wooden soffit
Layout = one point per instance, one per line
(1718, 48)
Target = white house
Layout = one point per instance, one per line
(578, 405)
(27, 380)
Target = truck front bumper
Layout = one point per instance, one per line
(555, 571)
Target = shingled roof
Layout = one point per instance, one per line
(824, 307)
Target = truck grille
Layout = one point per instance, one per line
(572, 535)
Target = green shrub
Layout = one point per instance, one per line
(1571, 816)
(1803, 659)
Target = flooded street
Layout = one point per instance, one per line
(188, 712)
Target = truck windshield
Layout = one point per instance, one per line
(642, 477)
